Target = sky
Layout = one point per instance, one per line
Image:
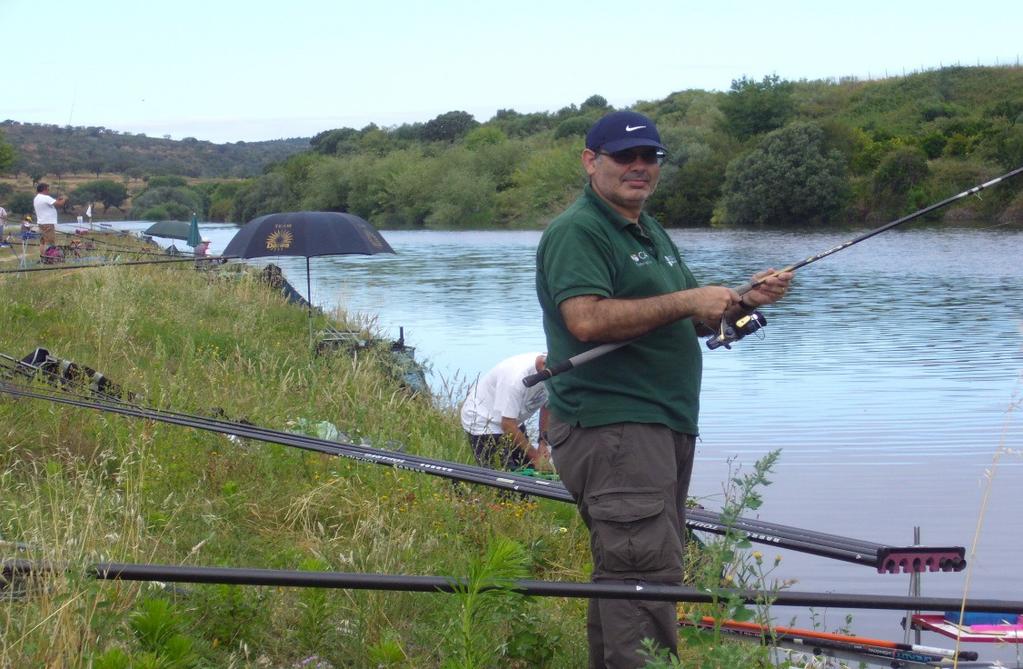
(228, 70)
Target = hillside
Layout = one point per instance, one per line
(55, 150)
(768, 152)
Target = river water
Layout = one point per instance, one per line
(888, 379)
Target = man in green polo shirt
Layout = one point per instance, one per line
(622, 428)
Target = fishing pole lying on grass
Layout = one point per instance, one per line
(808, 637)
(49, 268)
(20, 574)
(885, 559)
(443, 584)
(728, 335)
(107, 246)
(839, 646)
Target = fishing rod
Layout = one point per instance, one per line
(99, 247)
(725, 337)
(87, 236)
(809, 656)
(884, 558)
(847, 650)
(808, 641)
(537, 588)
(851, 550)
(830, 636)
(50, 268)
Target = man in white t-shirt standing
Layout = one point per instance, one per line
(46, 215)
(495, 412)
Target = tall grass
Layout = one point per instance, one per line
(1003, 450)
(78, 486)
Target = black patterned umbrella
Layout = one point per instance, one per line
(308, 234)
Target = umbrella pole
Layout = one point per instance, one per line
(309, 298)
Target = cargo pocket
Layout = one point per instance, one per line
(631, 531)
(557, 432)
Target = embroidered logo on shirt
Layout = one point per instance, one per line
(641, 258)
(670, 260)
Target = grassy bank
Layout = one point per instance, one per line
(80, 486)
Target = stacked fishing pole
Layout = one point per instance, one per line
(15, 573)
(799, 643)
(107, 254)
(43, 376)
(16, 381)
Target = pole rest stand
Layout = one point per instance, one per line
(916, 559)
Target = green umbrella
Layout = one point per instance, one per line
(193, 232)
(169, 229)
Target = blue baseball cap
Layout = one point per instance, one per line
(622, 130)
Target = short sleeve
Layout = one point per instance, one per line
(577, 261)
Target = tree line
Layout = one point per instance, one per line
(47, 149)
(767, 152)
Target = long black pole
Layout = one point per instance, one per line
(404, 583)
(597, 351)
(854, 550)
(53, 268)
(696, 519)
(807, 541)
(107, 245)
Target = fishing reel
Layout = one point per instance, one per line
(732, 332)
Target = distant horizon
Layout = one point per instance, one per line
(397, 124)
(148, 136)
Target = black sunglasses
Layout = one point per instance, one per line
(628, 156)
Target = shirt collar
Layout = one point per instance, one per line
(614, 216)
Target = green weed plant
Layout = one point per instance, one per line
(726, 564)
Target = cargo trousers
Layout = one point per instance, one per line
(630, 482)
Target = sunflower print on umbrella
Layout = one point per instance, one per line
(280, 239)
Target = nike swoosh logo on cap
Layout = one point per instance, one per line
(630, 128)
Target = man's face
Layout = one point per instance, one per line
(625, 179)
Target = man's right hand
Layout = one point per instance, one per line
(709, 303)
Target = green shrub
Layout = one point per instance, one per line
(790, 178)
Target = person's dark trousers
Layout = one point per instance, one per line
(630, 481)
(498, 450)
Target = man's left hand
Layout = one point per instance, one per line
(772, 288)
